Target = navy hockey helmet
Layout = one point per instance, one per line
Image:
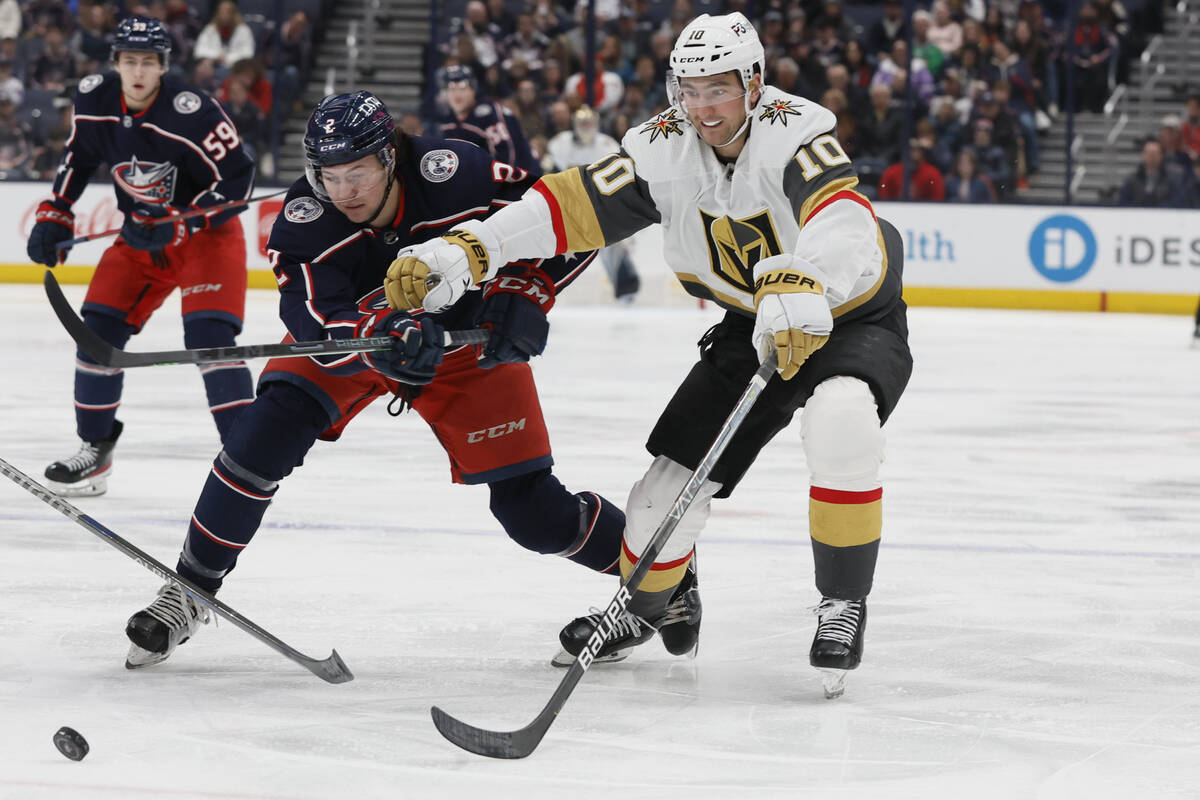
(456, 73)
(345, 128)
(142, 35)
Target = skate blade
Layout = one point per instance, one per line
(562, 659)
(89, 487)
(138, 658)
(834, 681)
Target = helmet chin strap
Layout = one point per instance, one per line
(386, 192)
(746, 122)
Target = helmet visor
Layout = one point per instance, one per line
(692, 94)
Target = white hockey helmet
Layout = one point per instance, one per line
(712, 45)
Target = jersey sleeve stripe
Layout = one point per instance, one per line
(211, 164)
(560, 235)
(573, 209)
(830, 192)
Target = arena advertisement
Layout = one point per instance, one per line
(967, 255)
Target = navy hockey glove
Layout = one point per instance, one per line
(53, 223)
(418, 349)
(139, 233)
(514, 311)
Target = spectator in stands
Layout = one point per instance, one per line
(247, 116)
(553, 81)
(1151, 185)
(48, 157)
(55, 67)
(290, 74)
(526, 43)
(827, 47)
(560, 118)
(847, 125)
(1015, 108)
(91, 44)
(787, 78)
(1005, 134)
(654, 93)
(945, 31)
(204, 77)
(833, 14)
(1049, 45)
(607, 88)
(15, 150)
(771, 34)
(499, 17)
(838, 77)
(1111, 14)
(995, 26)
(1190, 129)
(528, 109)
(1171, 140)
(1091, 60)
(485, 37)
(947, 133)
(969, 66)
(952, 93)
(893, 71)
(991, 159)
(42, 15)
(10, 19)
(884, 32)
(879, 134)
(1035, 54)
(924, 180)
(249, 73)
(965, 184)
(11, 85)
(858, 64)
(225, 40)
(924, 49)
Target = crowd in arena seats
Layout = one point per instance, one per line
(234, 51)
(985, 77)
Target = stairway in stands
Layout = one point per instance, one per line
(397, 30)
(1108, 149)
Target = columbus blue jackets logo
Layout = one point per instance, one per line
(438, 166)
(187, 102)
(303, 209)
(90, 82)
(146, 181)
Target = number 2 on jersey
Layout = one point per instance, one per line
(220, 140)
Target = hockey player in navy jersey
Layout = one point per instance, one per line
(169, 148)
(761, 214)
(482, 122)
(370, 190)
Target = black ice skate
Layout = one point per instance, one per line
(679, 627)
(837, 647)
(162, 626)
(84, 474)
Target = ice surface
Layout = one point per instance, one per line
(1034, 630)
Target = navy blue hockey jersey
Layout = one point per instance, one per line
(183, 150)
(494, 128)
(330, 270)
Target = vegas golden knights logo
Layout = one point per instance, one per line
(736, 245)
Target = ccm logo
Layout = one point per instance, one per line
(198, 288)
(521, 287)
(496, 431)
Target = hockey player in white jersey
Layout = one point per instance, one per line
(584, 144)
(760, 214)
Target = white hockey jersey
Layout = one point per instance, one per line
(792, 189)
(568, 150)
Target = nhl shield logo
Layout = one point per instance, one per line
(303, 209)
(187, 102)
(438, 166)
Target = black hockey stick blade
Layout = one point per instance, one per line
(107, 355)
(522, 742)
(331, 669)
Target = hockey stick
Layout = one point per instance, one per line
(520, 743)
(195, 212)
(331, 669)
(109, 356)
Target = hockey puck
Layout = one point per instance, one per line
(71, 744)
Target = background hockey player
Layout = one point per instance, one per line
(370, 190)
(481, 121)
(170, 148)
(760, 214)
(581, 145)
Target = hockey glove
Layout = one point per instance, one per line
(417, 350)
(514, 311)
(53, 223)
(436, 273)
(143, 231)
(792, 313)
